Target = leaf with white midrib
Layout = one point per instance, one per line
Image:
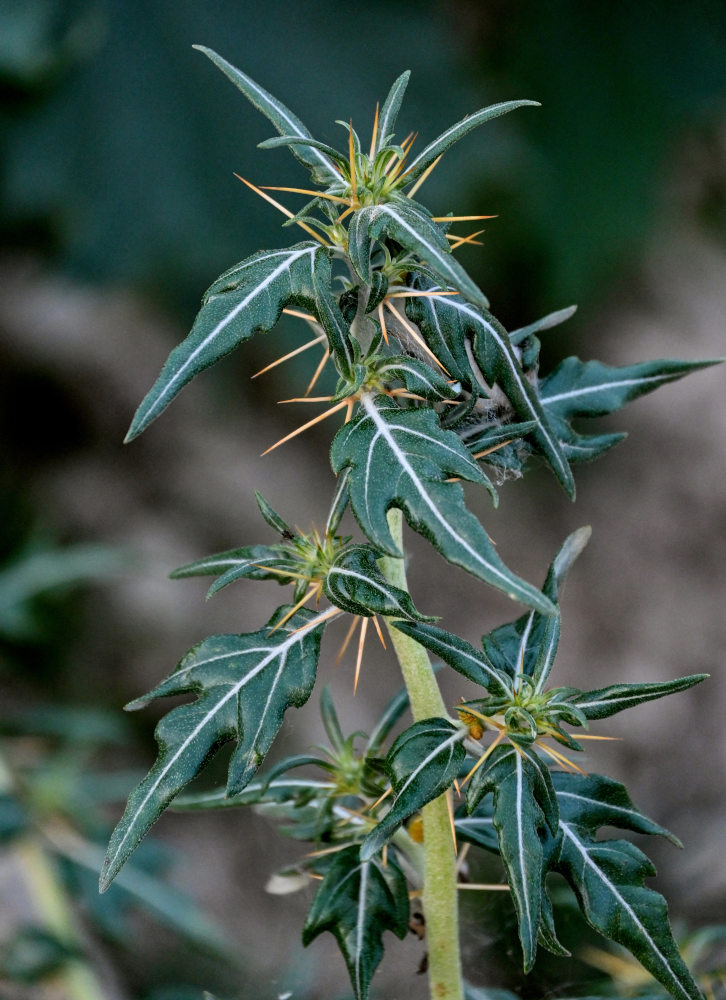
(356, 902)
(275, 111)
(625, 911)
(355, 584)
(390, 109)
(494, 354)
(421, 765)
(244, 684)
(402, 458)
(411, 225)
(249, 299)
(457, 131)
(608, 701)
(591, 388)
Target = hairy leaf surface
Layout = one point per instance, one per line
(251, 562)
(244, 684)
(281, 117)
(607, 878)
(521, 787)
(421, 765)
(354, 583)
(411, 225)
(447, 139)
(402, 458)
(609, 700)
(357, 901)
(247, 299)
(391, 106)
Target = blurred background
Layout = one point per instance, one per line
(119, 206)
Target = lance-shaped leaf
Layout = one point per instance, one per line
(411, 225)
(594, 800)
(251, 562)
(523, 794)
(357, 901)
(447, 139)
(421, 765)
(528, 645)
(461, 655)
(389, 111)
(516, 337)
(244, 684)
(281, 117)
(478, 827)
(402, 458)
(591, 388)
(261, 790)
(607, 878)
(245, 300)
(499, 365)
(607, 701)
(354, 583)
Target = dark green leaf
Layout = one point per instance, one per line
(447, 139)
(247, 563)
(355, 584)
(421, 765)
(499, 365)
(402, 459)
(411, 225)
(260, 790)
(244, 684)
(272, 518)
(391, 107)
(516, 337)
(296, 142)
(460, 655)
(591, 388)
(521, 786)
(247, 299)
(593, 800)
(418, 377)
(357, 901)
(617, 697)
(281, 117)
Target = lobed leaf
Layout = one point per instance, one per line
(355, 584)
(422, 763)
(286, 123)
(402, 458)
(357, 901)
(250, 298)
(244, 684)
(419, 378)
(523, 797)
(528, 645)
(591, 389)
(607, 876)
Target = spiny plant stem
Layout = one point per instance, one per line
(440, 895)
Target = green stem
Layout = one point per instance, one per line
(440, 893)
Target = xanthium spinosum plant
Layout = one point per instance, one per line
(431, 390)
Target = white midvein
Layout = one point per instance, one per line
(400, 84)
(520, 841)
(259, 786)
(283, 113)
(519, 665)
(623, 902)
(454, 738)
(612, 701)
(506, 353)
(474, 657)
(289, 261)
(604, 386)
(471, 121)
(371, 583)
(383, 431)
(547, 666)
(584, 798)
(444, 258)
(280, 650)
